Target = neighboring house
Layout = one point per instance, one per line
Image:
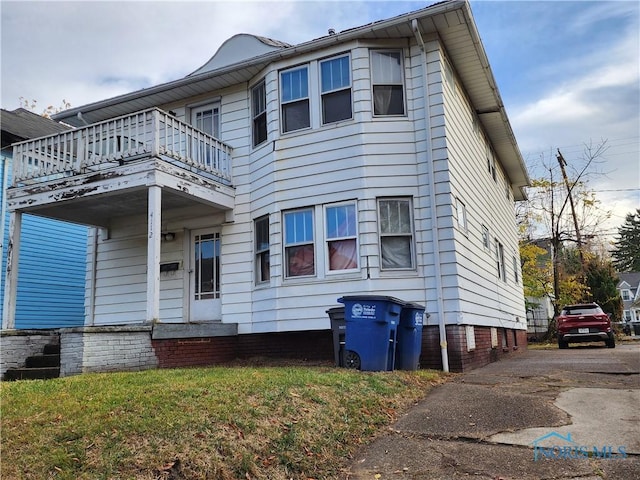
(234, 206)
(629, 288)
(51, 282)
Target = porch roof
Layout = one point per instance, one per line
(453, 23)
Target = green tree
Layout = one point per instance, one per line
(626, 256)
(537, 274)
(601, 278)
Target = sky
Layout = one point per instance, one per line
(568, 72)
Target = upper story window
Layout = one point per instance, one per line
(335, 84)
(626, 295)
(486, 240)
(387, 80)
(294, 91)
(396, 233)
(259, 113)
(263, 262)
(341, 236)
(299, 247)
(461, 213)
(207, 119)
(502, 271)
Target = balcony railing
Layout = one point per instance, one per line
(117, 141)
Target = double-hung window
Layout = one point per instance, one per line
(461, 212)
(294, 86)
(396, 233)
(335, 80)
(341, 236)
(262, 250)
(259, 113)
(387, 80)
(502, 271)
(299, 245)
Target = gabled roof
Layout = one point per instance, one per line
(631, 278)
(20, 124)
(451, 21)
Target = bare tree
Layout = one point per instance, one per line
(562, 208)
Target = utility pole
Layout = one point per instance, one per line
(563, 163)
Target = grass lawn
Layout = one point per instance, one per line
(239, 421)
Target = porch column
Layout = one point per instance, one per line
(154, 217)
(11, 283)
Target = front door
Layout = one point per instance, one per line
(204, 271)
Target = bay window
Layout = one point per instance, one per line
(396, 233)
(294, 86)
(335, 80)
(299, 243)
(341, 237)
(388, 83)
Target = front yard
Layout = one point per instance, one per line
(241, 421)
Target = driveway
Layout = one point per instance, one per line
(542, 414)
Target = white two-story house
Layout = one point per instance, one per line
(231, 208)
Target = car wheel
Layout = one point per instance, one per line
(562, 344)
(611, 343)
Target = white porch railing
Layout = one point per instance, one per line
(101, 145)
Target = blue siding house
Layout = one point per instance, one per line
(51, 283)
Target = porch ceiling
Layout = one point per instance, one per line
(96, 198)
(99, 210)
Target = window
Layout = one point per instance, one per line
(207, 120)
(262, 250)
(396, 233)
(341, 237)
(335, 80)
(387, 80)
(626, 315)
(294, 85)
(502, 274)
(486, 241)
(516, 273)
(461, 212)
(626, 295)
(494, 337)
(259, 113)
(298, 244)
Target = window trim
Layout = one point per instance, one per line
(461, 215)
(260, 252)
(284, 103)
(485, 237)
(327, 239)
(502, 273)
(286, 245)
(401, 84)
(331, 91)
(411, 235)
(255, 116)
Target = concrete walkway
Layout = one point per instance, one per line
(538, 415)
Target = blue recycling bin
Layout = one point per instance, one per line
(409, 337)
(371, 328)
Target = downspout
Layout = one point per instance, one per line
(3, 207)
(432, 198)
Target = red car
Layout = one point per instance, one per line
(584, 323)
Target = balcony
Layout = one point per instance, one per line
(67, 176)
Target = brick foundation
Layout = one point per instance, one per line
(509, 341)
(104, 349)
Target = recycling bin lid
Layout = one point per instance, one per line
(371, 298)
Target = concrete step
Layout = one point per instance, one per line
(52, 349)
(31, 373)
(38, 361)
